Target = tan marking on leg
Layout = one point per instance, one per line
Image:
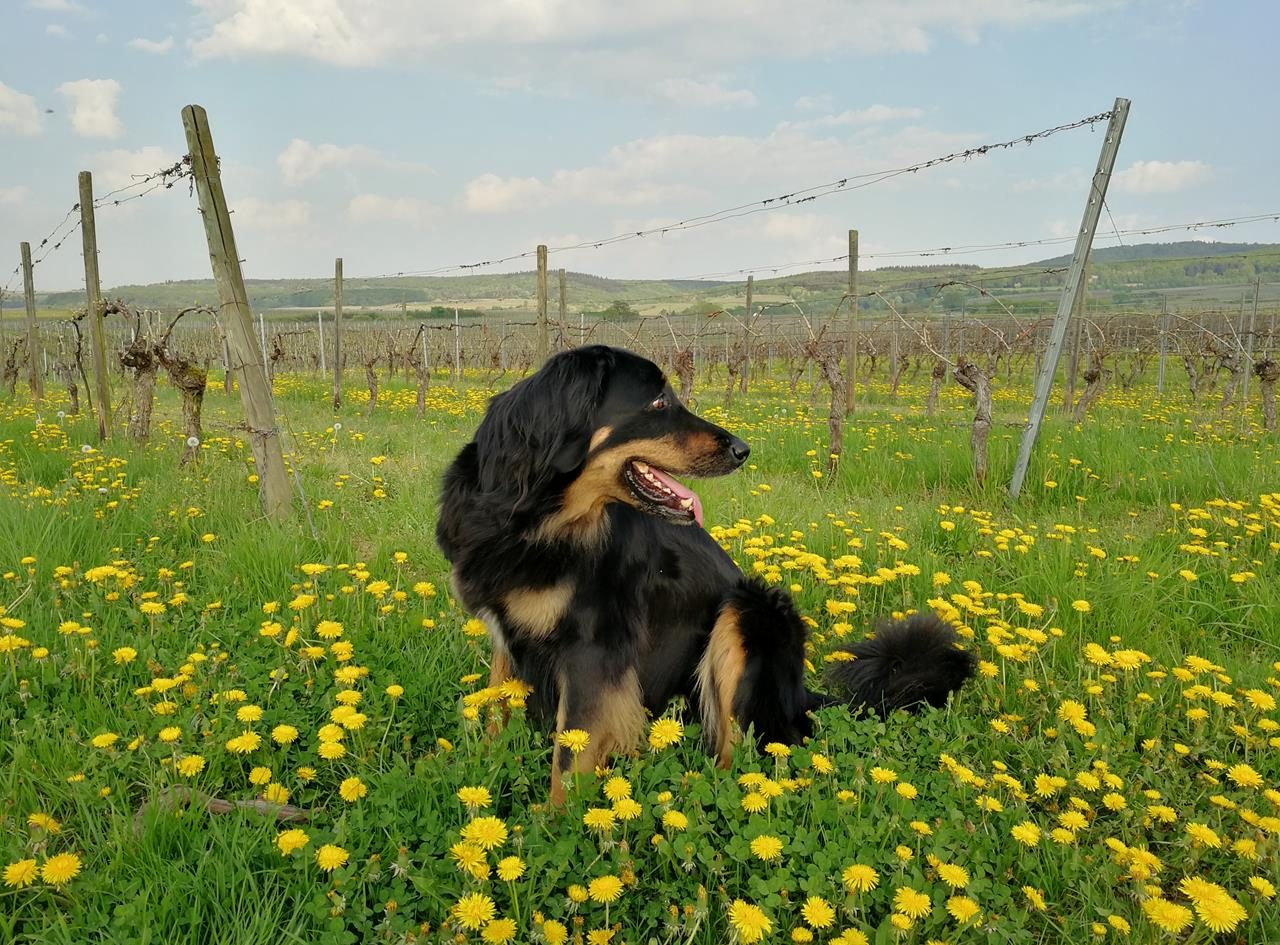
(538, 611)
(716, 681)
(500, 671)
(615, 724)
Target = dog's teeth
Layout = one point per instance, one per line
(642, 467)
(686, 503)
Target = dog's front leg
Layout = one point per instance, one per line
(599, 696)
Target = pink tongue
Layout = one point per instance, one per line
(683, 491)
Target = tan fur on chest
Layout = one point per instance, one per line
(537, 612)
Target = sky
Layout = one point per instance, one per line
(410, 135)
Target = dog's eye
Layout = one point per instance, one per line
(659, 402)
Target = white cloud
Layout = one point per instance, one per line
(57, 29)
(120, 166)
(157, 47)
(712, 93)
(688, 168)
(374, 208)
(253, 213)
(1068, 180)
(795, 227)
(12, 196)
(625, 41)
(302, 160)
(1160, 177)
(93, 107)
(814, 103)
(57, 6)
(18, 112)
(861, 117)
(490, 193)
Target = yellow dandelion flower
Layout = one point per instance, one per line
(487, 833)
(290, 840)
(20, 873)
(962, 908)
(604, 889)
(818, 913)
(61, 869)
(749, 921)
(574, 739)
(352, 789)
(473, 912)
(510, 868)
(911, 902)
(766, 848)
(664, 733)
(330, 857)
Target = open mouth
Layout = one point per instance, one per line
(662, 495)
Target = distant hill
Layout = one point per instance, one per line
(1184, 248)
(1142, 273)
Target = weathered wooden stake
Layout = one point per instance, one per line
(564, 325)
(1080, 257)
(255, 391)
(93, 295)
(1164, 347)
(33, 331)
(337, 333)
(747, 344)
(544, 343)
(1248, 340)
(851, 352)
(320, 342)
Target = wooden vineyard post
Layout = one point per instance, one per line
(1248, 339)
(33, 332)
(544, 345)
(564, 325)
(851, 351)
(337, 333)
(233, 308)
(320, 342)
(1079, 259)
(93, 296)
(746, 334)
(1164, 347)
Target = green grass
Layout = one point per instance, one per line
(1144, 490)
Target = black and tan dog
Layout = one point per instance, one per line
(570, 537)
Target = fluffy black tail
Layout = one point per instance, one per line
(906, 664)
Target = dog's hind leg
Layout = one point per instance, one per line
(718, 676)
(610, 712)
(752, 671)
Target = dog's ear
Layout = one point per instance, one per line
(542, 427)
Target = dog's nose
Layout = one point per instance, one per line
(739, 450)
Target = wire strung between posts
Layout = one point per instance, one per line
(985, 247)
(804, 195)
(164, 178)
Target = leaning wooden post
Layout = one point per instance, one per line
(93, 295)
(337, 333)
(746, 334)
(233, 306)
(1079, 259)
(544, 345)
(851, 351)
(33, 332)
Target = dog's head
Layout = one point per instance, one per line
(598, 425)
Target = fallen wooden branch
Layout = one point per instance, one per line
(174, 797)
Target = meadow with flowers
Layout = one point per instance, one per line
(217, 729)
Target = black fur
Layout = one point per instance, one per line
(906, 664)
(643, 587)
